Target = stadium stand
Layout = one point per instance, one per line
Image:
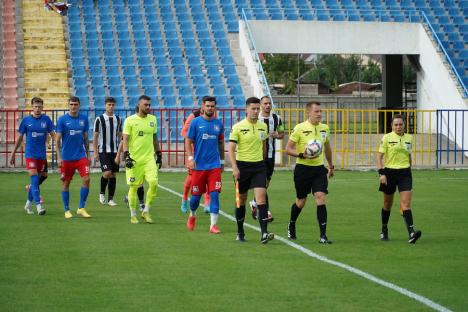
(45, 59)
(178, 51)
(8, 66)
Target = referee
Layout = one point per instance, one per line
(310, 174)
(395, 151)
(106, 138)
(248, 167)
(275, 132)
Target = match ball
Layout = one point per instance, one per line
(313, 149)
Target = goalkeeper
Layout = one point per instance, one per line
(140, 145)
(310, 174)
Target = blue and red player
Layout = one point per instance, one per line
(36, 127)
(73, 154)
(206, 139)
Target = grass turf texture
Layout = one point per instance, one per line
(106, 264)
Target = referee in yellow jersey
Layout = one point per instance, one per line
(310, 174)
(142, 156)
(249, 137)
(395, 153)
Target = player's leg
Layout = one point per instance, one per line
(214, 188)
(135, 178)
(36, 176)
(260, 193)
(83, 169)
(151, 177)
(207, 202)
(405, 185)
(67, 171)
(242, 186)
(112, 185)
(198, 187)
(106, 174)
(303, 186)
(388, 191)
(187, 184)
(43, 174)
(33, 192)
(141, 197)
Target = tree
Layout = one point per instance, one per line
(282, 68)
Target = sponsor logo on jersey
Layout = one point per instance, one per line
(194, 188)
(75, 132)
(207, 136)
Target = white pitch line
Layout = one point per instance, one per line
(431, 304)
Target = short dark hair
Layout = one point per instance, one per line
(265, 97)
(399, 116)
(252, 100)
(144, 97)
(110, 99)
(208, 98)
(37, 100)
(309, 105)
(73, 99)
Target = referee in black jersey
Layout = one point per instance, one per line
(106, 139)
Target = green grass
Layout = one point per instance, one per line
(106, 264)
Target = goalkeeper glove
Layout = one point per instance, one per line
(129, 162)
(159, 159)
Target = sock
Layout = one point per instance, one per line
(266, 202)
(214, 202)
(34, 188)
(132, 199)
(84, 191)
(112, 183)
(214, 218)
(408, 216)
(322, 219)
(104, 182)
(254, 203)
(262, 217)
(194, 202)
(295, 212)
(187, 184)
(42, 179)
(30, 194)
(141, 194)
(240, 216)
(66, 200)
(385, 217)
(151, 194)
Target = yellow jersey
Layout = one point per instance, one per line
(140, 133)
(249, 138)
(396, 149)
(303, 133)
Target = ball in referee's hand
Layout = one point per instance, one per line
(313, 149)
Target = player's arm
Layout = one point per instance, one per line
(188, 149)
(264, 147)
(329, 157)
(95, 139)
(18, 143)
(157, 151)
(221, 152)
(279, 133)
(380, 161)
(291, 149)
(232, 158)
(86, 143)
(58, 143)
(118, 157)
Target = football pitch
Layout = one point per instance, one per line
(48, 263)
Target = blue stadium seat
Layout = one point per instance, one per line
(169, 101)
(112, 71)
(146, 71)
(147, 82)
(222, 101)
(113, 81)
(187, 102)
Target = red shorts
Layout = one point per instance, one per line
(203, 179)
(38, 164)
(70, 166)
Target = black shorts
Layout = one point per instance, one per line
(270, 167)
(252, 175)
(107, 162)
(310, 179)
(397, 177)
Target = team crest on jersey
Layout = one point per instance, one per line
(216, 127)
(152, 124)
(81, 123)
(43, 125)
(140, 133)
(195, 189)
(132, 179)
(323, 134)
